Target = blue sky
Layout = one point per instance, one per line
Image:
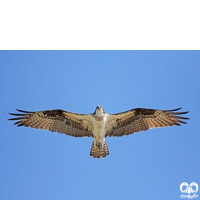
(37, 164)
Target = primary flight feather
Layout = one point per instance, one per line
(99, 124)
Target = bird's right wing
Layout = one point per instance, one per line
(73, 124)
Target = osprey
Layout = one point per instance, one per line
(99, 124)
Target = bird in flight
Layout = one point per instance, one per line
(99, 124)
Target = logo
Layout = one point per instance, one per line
(190, 189)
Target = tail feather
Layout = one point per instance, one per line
(98, 152)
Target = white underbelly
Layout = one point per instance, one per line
(99, 129)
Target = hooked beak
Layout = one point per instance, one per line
(98, 107)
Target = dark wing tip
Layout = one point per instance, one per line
(23, 111)
(179, 113)
(178, 120)
(20, 125)
(177, 124)
(21, 116)
(17, 114)
(172, 110)
(16, 118)
(176, 113)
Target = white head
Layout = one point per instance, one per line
(99, 111)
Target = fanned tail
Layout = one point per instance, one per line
(98, 152)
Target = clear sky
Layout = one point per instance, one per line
(37, 164)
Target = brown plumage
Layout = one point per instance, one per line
(99, 152)
(54, 120)
(99, 124)
(141, 119)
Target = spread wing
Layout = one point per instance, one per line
(61, 121)
(141, 119)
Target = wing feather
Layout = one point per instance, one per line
(61, 121)
(142, 119)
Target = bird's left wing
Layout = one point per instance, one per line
(73, 124)
(141, 119)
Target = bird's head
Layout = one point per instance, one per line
(99, 111)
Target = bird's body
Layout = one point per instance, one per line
(99, 121)
(99, 124)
